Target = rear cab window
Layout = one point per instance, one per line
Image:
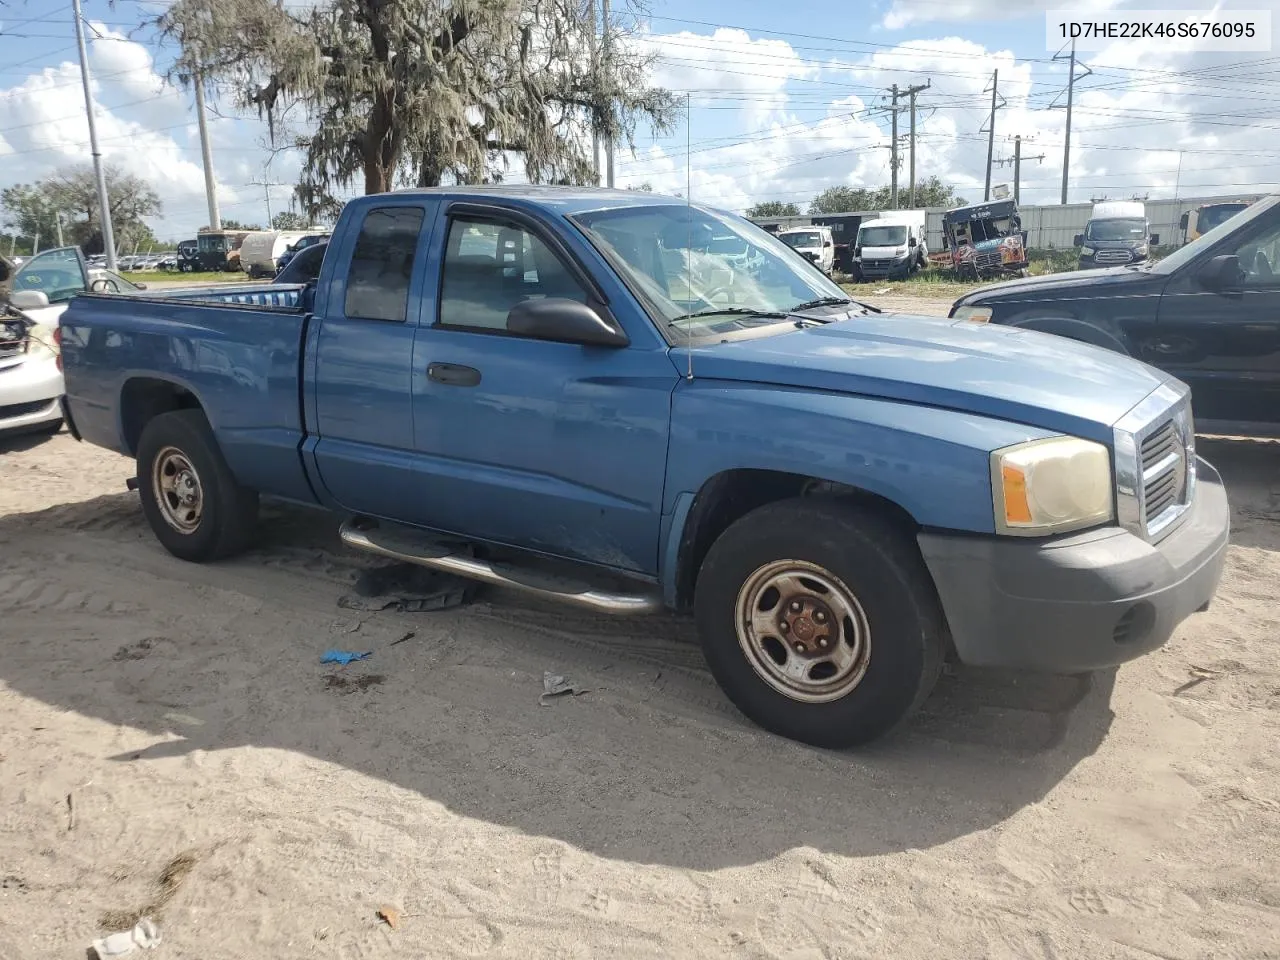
(381, 269)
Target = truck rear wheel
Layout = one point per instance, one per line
(190, 498)
(820, 622)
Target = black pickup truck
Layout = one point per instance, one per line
(1209, 313)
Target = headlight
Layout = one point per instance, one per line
(973, 314)
(1086, 251)
(1051, 486)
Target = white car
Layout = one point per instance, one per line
(812, 243)
(32, 298)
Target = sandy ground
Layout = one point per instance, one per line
(171, 744)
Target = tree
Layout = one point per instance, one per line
(772, 208)
(417, 91)
(929, 193)
(288, 220)
(73, 192)
(237, 225)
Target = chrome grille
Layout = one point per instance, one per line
(1112, 256)
(986, 259)
(1155, 462)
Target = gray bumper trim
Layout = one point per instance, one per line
(1081, 602)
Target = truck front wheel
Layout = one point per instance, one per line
(190, 498)
(820, 622)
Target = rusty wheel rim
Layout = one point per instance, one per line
(803, 631)
(178, 491)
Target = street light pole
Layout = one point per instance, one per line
(104, 203)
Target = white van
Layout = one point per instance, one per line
(262, 248)
(891, 246)
(814, 243)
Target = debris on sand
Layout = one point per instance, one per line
(145, 935)
(390, 916)
(353, 684)
(167, 886)
(555, 685)
(344, 657)
(408, 588)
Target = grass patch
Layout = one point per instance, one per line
(150, 277)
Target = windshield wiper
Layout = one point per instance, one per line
(832, 302)
(731, 311)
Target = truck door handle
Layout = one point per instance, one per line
(453, 374)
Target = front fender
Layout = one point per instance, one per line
(1062, 324)
(933, 463)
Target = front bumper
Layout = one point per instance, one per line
(886, 269)
(1081, 602)
(29, 393)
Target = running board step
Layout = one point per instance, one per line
(399, 544)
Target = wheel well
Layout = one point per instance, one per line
(729, 496)
(1070, 327)
(143, 399)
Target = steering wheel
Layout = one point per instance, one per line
(104, 285)
(710, 296)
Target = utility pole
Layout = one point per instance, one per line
(991, 129)
(1071, 86)
(911, 92)
(104, 203)
(266, 186)
(893, 159)
(1017, 167)
(608, 140)
(58, 215)
(210, 190)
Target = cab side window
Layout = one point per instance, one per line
(489, 267)
(382, 264)
(1260, 259)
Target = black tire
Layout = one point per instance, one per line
(228, 512)
(882, 568)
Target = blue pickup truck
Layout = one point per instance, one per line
(631, 403)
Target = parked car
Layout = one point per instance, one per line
(501, 383)
(297, 247)
(32, 298)
(1209, 314)
(188, 256)
(304, 267)
(815, 244)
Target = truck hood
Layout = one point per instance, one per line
(1065, 284)
(1002, 372)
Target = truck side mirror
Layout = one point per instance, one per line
(826, 243)
(1183, 221)
(912, 242)
(1222, 274)
(563, 321)
(1155, 239)
(1078, 240)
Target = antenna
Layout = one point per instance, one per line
(688, 203)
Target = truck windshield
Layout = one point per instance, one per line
(680, 260)
(808, 238)
(882, 236)
(1210, 217)
(1127, 229)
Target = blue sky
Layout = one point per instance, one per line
(785, 101)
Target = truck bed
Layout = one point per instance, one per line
(239, 346)
(266, 296)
